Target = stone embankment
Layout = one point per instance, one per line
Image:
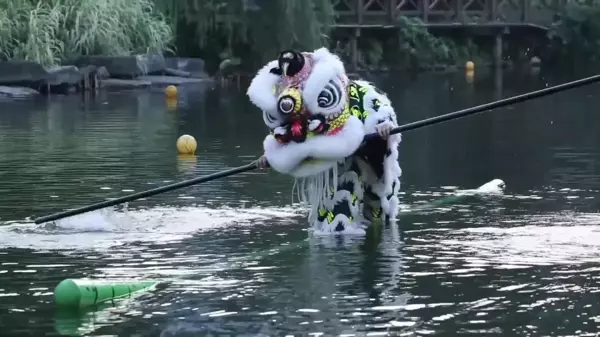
(27, 78)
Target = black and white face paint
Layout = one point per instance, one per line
(331, 98)
(331, 95)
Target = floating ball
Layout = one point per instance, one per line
(470, 66)
(186, 144)
(171, 91)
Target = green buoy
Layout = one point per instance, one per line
(81, 293)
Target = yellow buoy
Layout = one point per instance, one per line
(470, 66)
(171, 91)
(186, 144)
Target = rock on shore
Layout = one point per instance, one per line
(27, 78)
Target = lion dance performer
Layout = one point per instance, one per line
(317, 119)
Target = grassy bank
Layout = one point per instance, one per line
(50, 31)
(249, 32)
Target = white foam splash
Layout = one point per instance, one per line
(107, 228)
(520, 242)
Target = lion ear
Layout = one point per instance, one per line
(276, 71)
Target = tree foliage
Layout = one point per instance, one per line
(576, 34)
(242, 32)
(254, 30)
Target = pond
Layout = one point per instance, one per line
(232, 255)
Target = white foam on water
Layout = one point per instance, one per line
(107, 228)
(493, 188)
(524, 241)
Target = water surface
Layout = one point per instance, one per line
(233, 253)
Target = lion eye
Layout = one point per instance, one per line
(331, 95)
(286, 105)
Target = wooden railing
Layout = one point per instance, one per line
(359, 13)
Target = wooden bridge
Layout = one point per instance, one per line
(483, 17)
(538, 14)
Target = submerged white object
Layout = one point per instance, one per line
(494, 187)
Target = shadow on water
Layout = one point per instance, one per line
(232, 253)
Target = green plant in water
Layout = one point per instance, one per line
(51, 31)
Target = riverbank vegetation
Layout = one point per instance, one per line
(253, 31)
(246, 33)
(51, 31)
(248, 30)
(412, 46)
(576, 34)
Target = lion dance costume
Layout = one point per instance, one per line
(317, 119)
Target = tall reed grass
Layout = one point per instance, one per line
(50, 31)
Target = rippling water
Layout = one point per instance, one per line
(233, 256)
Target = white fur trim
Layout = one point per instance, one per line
(391, 166)
(392, 213)
(384, 113)
(313, 167)
(389, 184)
(261, 94)
(288, 158)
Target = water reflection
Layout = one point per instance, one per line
(233, 255)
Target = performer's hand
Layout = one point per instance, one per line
(262, 162)
(384, 129)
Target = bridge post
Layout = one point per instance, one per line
(354, 47)
(460, 11)
(525, 13)
(498, 49)
(498, 36)
(498, 83)
(360, 8)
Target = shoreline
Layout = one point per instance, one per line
(24, 79)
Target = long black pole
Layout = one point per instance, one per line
(252, 166)
(145, 194)
(496, 104)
